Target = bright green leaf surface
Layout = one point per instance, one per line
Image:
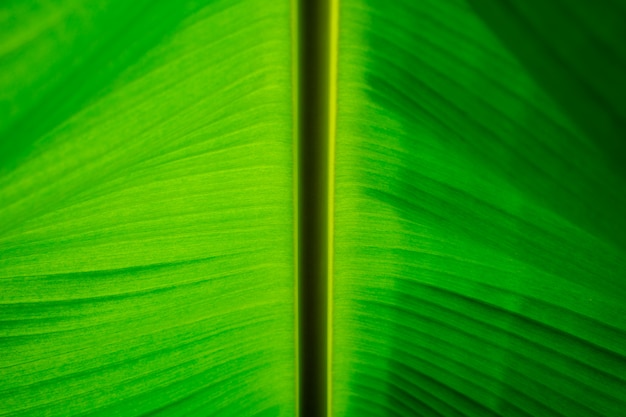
(146, 209)
(146, 249)
(480, 266)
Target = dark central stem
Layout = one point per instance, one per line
(313, 101)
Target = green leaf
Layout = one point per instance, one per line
(150, 191)
(146, 254)
(480, 241)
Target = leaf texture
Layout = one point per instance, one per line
(146, 234)
(147, 208)
(480, 220)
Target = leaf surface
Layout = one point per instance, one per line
(147, 187)
(146, 246)
(480, 221)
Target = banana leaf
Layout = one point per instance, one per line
(480, 209)
(149, 229)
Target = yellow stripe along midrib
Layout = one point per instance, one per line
(332, 131)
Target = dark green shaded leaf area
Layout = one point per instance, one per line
(147, 230)
(481, 209)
